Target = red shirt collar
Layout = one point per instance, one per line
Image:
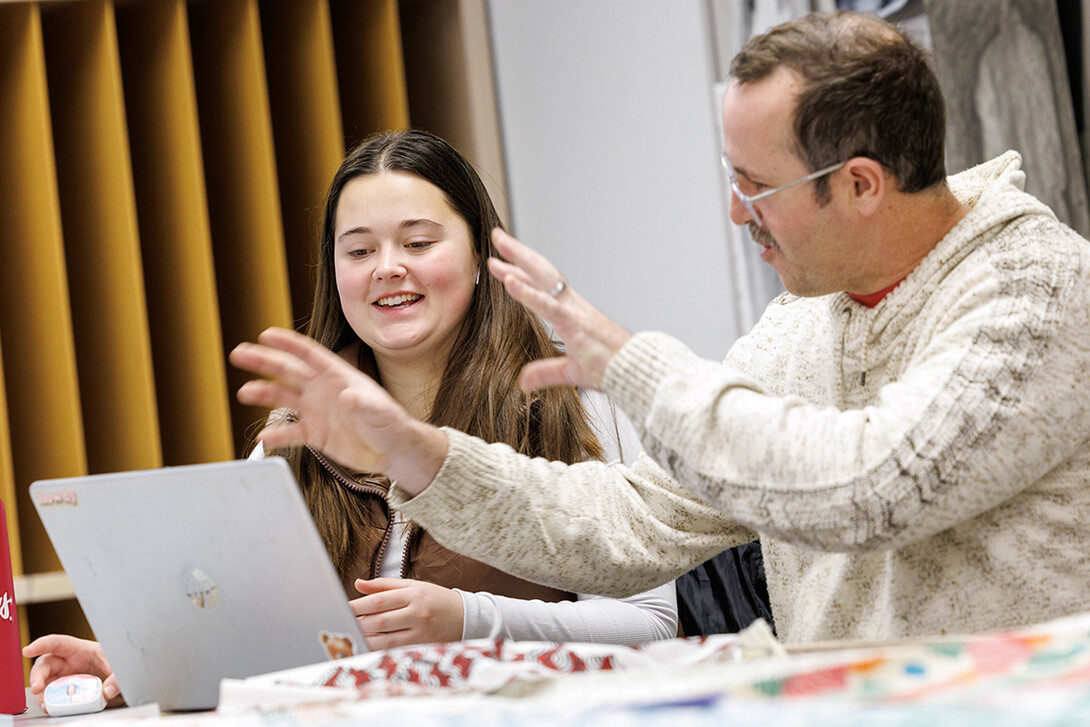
(873, 299)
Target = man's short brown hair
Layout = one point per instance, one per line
(867, 90)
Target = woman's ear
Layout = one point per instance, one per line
(870, 184)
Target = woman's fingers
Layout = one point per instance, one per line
(379, 600)
(368, 586)
(112, 691)
(392, 640)
(42, 672)
(61, 644)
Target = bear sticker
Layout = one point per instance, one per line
(337, 646)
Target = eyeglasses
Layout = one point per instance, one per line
(748, 200)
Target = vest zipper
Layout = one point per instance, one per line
(412, 533)
(351, 484)
(343, 478)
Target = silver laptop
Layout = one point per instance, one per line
(191, 574)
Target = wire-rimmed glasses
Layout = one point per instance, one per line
(748, 200)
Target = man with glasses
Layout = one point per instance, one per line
(907, 429)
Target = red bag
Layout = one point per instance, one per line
(12, 688)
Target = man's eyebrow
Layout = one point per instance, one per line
(404, 224)
(743, 172)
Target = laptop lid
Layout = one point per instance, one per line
(188, 575)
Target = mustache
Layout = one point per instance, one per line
(762, 236)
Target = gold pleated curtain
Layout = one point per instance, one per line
(162, 165)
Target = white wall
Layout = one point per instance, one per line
(611, 141)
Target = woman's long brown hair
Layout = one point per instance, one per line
(479, 392)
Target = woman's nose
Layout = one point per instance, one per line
(390, 264)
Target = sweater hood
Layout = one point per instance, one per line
(994, 192)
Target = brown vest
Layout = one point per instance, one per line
(425, 559)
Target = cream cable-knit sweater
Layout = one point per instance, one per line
(920, 467)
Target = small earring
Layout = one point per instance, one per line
(478, 280)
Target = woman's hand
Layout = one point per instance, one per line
(58, 655)
(399, 611)
(341, 411)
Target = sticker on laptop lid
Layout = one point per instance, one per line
(200, 588)
(337, 646)
(57, 497)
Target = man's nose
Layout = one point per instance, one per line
(739, 213)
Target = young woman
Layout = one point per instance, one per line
(403, 294)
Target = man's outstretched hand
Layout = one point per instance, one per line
(590, 338)
(340, 411)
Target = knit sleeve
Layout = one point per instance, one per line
(994, 399)
(630, 621)
(585, 528)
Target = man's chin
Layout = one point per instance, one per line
(802, 289)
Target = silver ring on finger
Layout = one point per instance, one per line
(560, 287)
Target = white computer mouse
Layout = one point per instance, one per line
(73, 694)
